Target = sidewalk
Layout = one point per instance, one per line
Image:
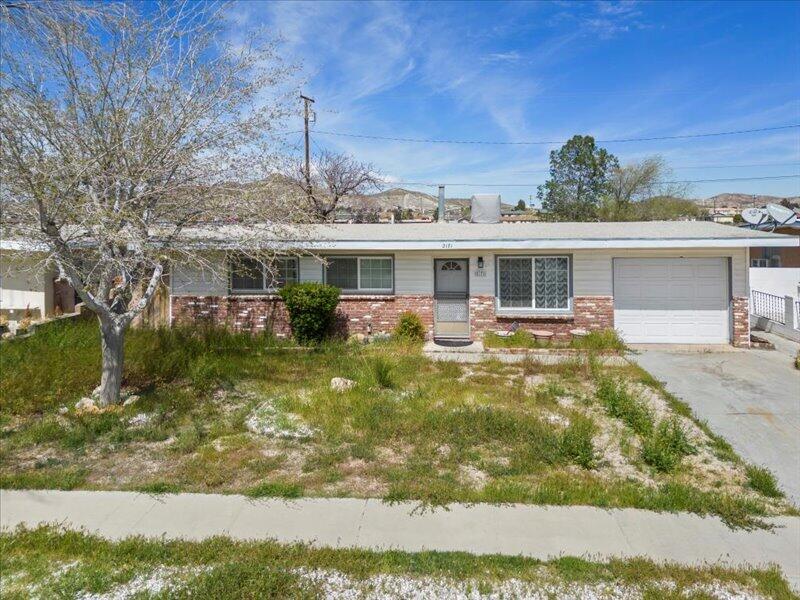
(535, 531)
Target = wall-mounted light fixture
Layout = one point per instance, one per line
(480, 262)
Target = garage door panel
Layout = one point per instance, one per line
(672, 300)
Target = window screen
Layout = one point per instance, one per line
(246, 274)
(376, 273)
(284, 270)
(343, 273)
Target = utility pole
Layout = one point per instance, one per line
(306, 114)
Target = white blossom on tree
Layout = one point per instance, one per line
(123, 127)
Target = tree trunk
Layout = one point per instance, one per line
(112, 343)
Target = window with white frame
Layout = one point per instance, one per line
(533, 282)
(249, 275)
(360, 274)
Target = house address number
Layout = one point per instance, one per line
(447, 244)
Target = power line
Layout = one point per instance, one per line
(783, 164)
(529, 183)
(544, 143)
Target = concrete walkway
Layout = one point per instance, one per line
(475, 353)
(749, 397)
(534, 531)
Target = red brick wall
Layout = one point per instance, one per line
(741, 321)
(358, 314)
(590, 312)
(373, 314)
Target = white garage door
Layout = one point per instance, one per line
(672, 300)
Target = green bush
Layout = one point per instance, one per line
(312, 308)
(382, 370)
(619, 403)
(665, 448)
(762, 480)
(576, 442)
(604, 339)
(410, 327)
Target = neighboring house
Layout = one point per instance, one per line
(655, 282)
(778, 257)
(721, 217)
(26, 287)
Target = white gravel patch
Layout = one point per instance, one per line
(266, 419)
(337, 585)
(159, 581)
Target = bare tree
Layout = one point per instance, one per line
(126, 127)
(333, 177)
(635, 182)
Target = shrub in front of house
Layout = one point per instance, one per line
(410, 327)
(312, 309)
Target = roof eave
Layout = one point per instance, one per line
(537, 244)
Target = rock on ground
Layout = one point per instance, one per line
(342, 384)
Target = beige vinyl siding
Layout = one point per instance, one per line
(413, 272)
(592, 272)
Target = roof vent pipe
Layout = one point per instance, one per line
(485, 208)
(440, 213)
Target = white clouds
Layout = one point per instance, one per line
(496, 57)
(467, 72)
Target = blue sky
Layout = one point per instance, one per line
(546, 71)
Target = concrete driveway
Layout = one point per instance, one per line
(750, 397)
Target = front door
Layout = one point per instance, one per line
(451, 298)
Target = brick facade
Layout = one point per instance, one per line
(740, 306)
(356, 314)
(590, 312)
(374, 314)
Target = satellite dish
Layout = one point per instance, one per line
(755, 216)
(781, 214)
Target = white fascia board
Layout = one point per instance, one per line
(525, 244)
(555, 244)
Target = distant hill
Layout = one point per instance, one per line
(740, 201)
(419, 202)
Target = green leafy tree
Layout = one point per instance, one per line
(579, 173)
(666, 208)
(643, 191)
(521, 205)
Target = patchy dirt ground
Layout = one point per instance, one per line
(440, 433)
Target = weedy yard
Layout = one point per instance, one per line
(225, 412)
(48, 563)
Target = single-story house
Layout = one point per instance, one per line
(655, 282)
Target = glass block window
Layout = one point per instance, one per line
(360, 273)
(376, 273)
(540, 283)
(343, 273)
(552, 282)
(250, 275)
(246, 275)
(515, 279)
